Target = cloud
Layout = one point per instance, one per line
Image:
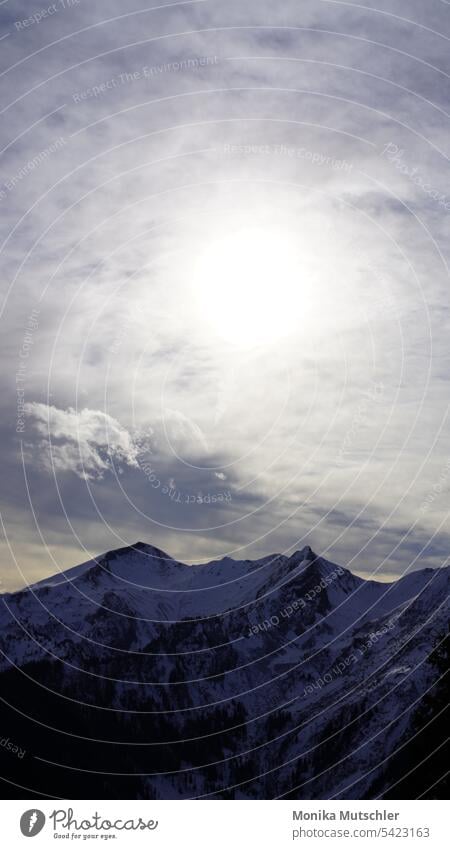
(102, 230)
(85, 442)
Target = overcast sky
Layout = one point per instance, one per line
(136, 137)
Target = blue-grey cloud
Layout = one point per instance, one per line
(133, 138)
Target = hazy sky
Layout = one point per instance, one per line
(146, 391)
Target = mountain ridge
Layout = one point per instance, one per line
(152, 553)
(290, 651)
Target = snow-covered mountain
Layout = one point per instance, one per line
(137, 676)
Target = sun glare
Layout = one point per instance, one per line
(248, 287)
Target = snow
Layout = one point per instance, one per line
(294, 630)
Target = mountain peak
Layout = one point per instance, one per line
(302, 554)
(151, 550)
(138, 547)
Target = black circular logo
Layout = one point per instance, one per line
(32, 822)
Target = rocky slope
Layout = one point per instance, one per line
(136, 676)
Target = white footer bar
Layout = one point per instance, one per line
(225, 824)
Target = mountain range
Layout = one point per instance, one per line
(136, 676)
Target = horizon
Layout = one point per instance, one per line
(377, 577)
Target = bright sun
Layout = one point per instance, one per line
(248, 287)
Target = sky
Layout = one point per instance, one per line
(224, 312)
